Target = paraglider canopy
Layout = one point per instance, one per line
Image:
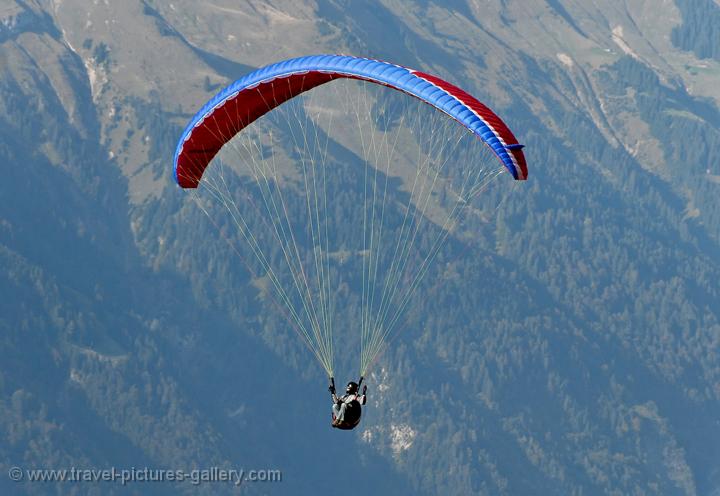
(254, 95)
(339, 201)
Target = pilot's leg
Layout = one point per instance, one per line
(339, 411)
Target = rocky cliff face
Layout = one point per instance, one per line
(128, 340)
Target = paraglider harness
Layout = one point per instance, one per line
(353, 410)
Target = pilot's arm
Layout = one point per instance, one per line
(362, 398)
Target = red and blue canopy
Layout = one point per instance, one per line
(257, 93)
